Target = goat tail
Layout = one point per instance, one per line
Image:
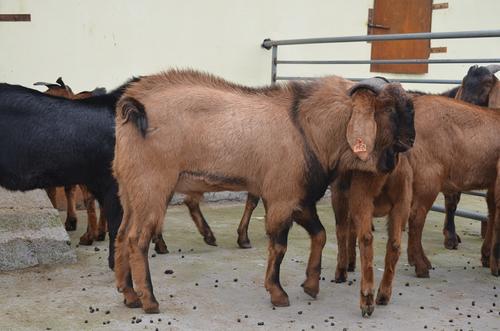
(131, 109)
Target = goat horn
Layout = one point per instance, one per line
(374, 84)
(493, 68)
(60, 82)
(45, 84)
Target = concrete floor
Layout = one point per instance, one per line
(216, 288)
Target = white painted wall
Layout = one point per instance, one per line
(102, 43)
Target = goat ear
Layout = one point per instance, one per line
(362, 128)
(494, 97)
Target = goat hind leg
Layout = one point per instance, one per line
(451, 238)
(192, 201)
(88, 237)
(250, 205)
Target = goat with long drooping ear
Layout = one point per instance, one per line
(480, 87)
(283, 143)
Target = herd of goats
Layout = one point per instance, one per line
(381, 150)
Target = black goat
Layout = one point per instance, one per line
(42, 146)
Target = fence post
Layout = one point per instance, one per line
(274, 64)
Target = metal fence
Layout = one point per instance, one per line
(274, 44)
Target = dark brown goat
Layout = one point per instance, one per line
(482, 88)
(282, 143)
(94, 231)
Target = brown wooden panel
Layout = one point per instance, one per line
(396, 16)
(15, 17)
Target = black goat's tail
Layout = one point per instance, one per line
(134, 111)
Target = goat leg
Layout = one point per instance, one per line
(251, 204)
(309, 220)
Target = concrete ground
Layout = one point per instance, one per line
(221, 288)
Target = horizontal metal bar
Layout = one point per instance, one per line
(406, 61)
(404, 36)
(463, 213)
(476, 194)
(402, 80)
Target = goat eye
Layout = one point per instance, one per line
(390, 109)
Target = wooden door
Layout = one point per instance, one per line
(400, 16)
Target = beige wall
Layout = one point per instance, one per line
(96, 42)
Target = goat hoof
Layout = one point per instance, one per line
(280, 301)
(451, 242)
(311, 290)
(340, 276)
(279, 298)
(244, 244)
(86, 240)
(161, 247)
(70, 224)
(367, 304)
(133, 304)
(367, 310)
(351, 267)
(152, 308)
(422, 272)
(101, 236)
(210, 240)
(382, 298)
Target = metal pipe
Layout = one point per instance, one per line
(267, 44)
(274, 65)
(476, 194)
(463, 213)
(406, 61)
(402, 80)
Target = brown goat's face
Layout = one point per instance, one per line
(476, 86)
(394, 114)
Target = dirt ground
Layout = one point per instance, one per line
(221, 288)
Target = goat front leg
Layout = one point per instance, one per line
(340, 206)
(278, 223)
(309, 220)
(251, 204)
(451, 238)
(71, 220)
(397, 218)
(193, 204)
(364, 189)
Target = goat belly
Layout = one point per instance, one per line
(199, 181)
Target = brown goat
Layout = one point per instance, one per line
(479, 87)
(467, 132)
(94, 231)
(190, 132)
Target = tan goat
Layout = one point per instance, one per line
(188, 132)
(467, 133)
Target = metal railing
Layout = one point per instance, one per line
(274, 44)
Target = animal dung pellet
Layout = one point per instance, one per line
(169, 272)
(97, 249)
(260, 323)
